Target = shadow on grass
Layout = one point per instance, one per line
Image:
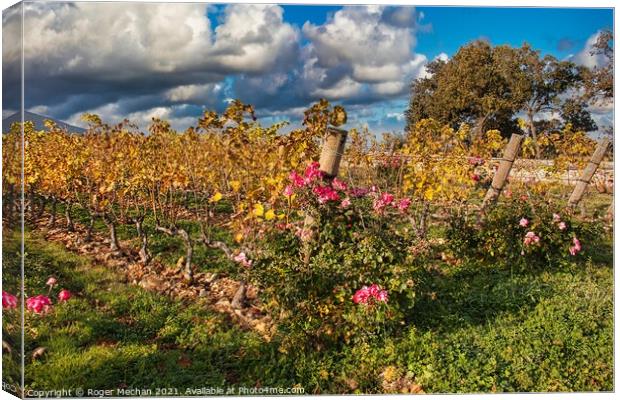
(478, 294)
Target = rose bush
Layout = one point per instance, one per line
(526, 231)
(346, 277)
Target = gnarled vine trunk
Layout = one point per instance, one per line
(144, 254)
(189, 248)
(70, 226)
(114, 246)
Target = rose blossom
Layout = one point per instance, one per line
(38, 304)
(296, 179)
(345, 203)
(51, 281)
(242, 259)
(530, 238)
(339, 185)
(374, 292)
(403, 204)
(312, 172)
(288, 191)
(361, 296)
(382, 296)
(575, 248)
(64, 295)
(358, 192)
(385, 200)
(8, 300)
(524, 222)
(562, 225)
(556, 217)
(325, 194)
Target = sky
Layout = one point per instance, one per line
(174, 60)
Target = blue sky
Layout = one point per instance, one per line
(173, 60)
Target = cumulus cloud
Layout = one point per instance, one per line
(370, 46)
(585, 58)
(169, 60)
(117, 50)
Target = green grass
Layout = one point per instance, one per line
(474, 329)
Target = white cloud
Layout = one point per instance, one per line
(113, 113)
(119, 39)
(254, 38)
(205, 94)
(585, 58)
(363, 47)
(137, 60)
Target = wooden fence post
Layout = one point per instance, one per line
(332, 151)
(588, 173)
(499, 179)
(329, 164)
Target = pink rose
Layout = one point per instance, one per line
(403, 204)
(64, 295)
(531, 238)
(382, 296)
(361, 296)
(556, 217)
(312, 172)
(524, 222)
(38, 304)
(288, 191)
(325, 194)
(374, 292)
(383, 201)
(296, 179)
(51, 281)
(562, 225)
(345, 203)
(575, 248)
(8, 300)
(339, 185)
(358, 192)
(241, 258)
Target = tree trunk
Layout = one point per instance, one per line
(7, 206)
(52, 220)
(42, 204)
(189, 249)
(31, 201)
(89, 229)
(145, 256)
(479, 128)
(114, 246)
(423, 221)
(70, 226)
(189, 252)
(534, 135)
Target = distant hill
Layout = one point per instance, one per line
(38, 122)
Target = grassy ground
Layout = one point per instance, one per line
(474, 329)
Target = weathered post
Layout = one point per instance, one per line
(329, 164)
(588, 173)
(332, 151)
(499, 179)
